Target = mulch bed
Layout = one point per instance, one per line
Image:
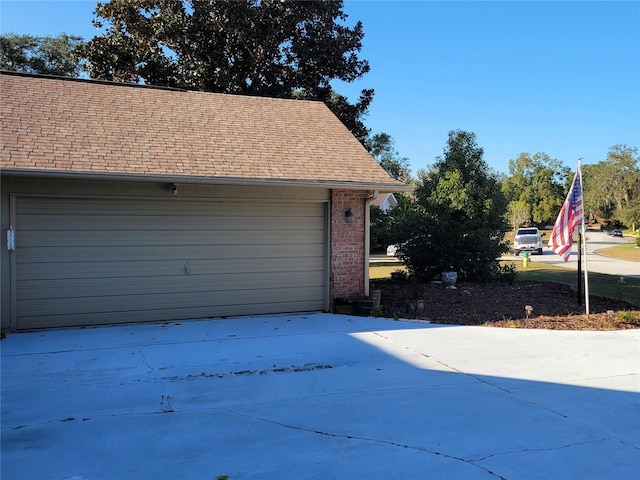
(499, 304)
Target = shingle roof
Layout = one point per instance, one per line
(55, 125)
(378, 201)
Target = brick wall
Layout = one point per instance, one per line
(347, 243)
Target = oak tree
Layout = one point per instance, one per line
(274, 48)
(41, 55)
(612, 186)
(381, 146)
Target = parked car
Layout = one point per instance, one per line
(528, 240)
(617, 233)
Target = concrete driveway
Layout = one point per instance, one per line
(319, 396)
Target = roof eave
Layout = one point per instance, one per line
(382, 187)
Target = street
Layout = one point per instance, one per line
(595, 263)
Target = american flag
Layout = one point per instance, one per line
(571, 215)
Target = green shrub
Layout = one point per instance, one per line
(505, 273)
(638, 241)
(456, 222)
(629, 316)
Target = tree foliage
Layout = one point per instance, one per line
(612, 186)
(630, 214)
(42, 55)
(539, 184)
(382, 147)
(457, 221)
(274, 48)
(518, 213)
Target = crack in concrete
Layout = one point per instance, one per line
(164, 400)
(367, 439)
(144, 360)
(548, 449)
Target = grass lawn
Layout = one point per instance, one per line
(377, 271)
(612, 286)
(625, 252)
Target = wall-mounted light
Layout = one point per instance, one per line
(348, 215)
(174, 189)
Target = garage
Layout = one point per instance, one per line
(132, 203)
(94, 260)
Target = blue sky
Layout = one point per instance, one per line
(561, 78)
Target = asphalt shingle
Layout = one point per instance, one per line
(79, 126)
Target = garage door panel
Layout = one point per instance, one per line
(95, 261)
(159, 223)
(303, 260)
(269, 245)
(149, 208)
(123, 238)
(168, 314)
(133, 302)
(44, 289)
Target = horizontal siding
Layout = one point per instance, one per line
(94, 261)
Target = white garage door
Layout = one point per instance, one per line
(88, 261)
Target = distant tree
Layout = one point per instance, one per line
(274, 48)
(539, 182)
(382, 147)
(43, 55)
(597, 201)
(518, 213)
(630, 214)
(458, 219)
(612, 186)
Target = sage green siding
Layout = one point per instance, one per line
(94, 260)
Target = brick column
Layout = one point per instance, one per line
(347, 243)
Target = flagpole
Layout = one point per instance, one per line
(579, 270)
(584, 248)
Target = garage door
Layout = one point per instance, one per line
(97, 261)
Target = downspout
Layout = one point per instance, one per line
(367, 239)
